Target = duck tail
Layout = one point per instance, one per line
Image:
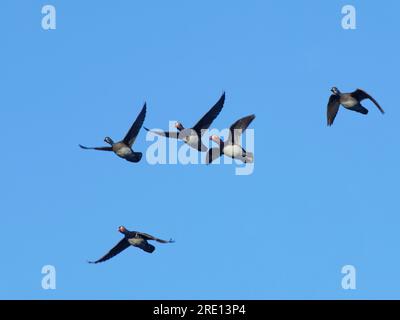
(134, 157)
(249, 158)
(149, 248)
(359, 108)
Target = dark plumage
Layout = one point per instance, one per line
(123, 148)
(351, 101)
(232, 147)
(131, 238)
(193, 135)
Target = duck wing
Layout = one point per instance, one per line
(360, 95)
(121, 246)
(134, 130)
(205, 122)
(212, 154)
(150, 237)
(238, 127)
(167, 134)
(332, 109)
(96, 148)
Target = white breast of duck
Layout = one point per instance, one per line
(136, 241)
(192, 140)
(348, 101)
(123, 151)
(233, 151)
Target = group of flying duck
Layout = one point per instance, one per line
(192, 136)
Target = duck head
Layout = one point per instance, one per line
(335, 91)
(122, 229)
(216, 139)
(109, 141)
(179, 126)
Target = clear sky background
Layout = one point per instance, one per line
(319, 198)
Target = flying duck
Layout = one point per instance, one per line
(131, 238)
(193, 135)
(123, 148)
(232, 148)
(351, 101)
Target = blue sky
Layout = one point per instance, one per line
(319, 198)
